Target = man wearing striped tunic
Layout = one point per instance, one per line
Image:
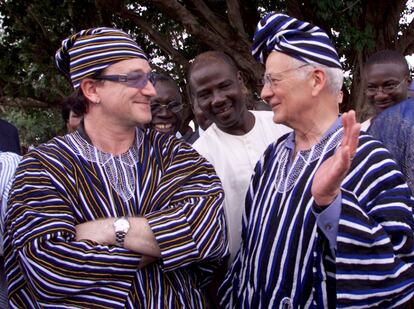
(328, 219)
(112, 216)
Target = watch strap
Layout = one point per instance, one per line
(120, 238)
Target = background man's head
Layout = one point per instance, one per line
(387, 79)
(73, 108)
(216, 86)
(166, 105)
(202, 121)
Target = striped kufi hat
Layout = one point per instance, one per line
(89, 51)
(298, 39)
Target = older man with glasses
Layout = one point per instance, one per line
(112, 215)
(328, 220)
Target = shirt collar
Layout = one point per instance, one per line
(290, 140)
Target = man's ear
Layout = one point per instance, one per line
(89, 90)
(190, 97)
(240, 77)
(409, 81)
(318, 80)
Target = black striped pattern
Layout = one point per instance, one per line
(298, 39)
(55, 189)
(284, 255)
(89, 51)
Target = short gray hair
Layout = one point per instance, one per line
(335, 76)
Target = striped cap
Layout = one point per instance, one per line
(298, 39)
(89, 51)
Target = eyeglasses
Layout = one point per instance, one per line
(135, 79)
(173, 106)
(272, 78)
(387, 89)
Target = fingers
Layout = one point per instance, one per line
(351, 132)
(345, 162)
(345, 124)
(354, 139)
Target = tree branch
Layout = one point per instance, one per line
(26, 102)
(235, 18)
(405, 42)
(384, 16)
(293, 9)
(156, 37)
(211, 19)
(180, 14)
(350, 6)
(34, 17)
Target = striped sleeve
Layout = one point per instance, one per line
(375, 247)
(40, 242)
(192, 227)
(8, 165)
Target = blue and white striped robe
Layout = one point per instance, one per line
(56, 188)
(285, 259)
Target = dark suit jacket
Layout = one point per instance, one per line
(9, 138)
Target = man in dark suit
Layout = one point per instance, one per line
(9, 138)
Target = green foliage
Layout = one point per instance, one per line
(31, 32)
(342, 19)
(35, 125)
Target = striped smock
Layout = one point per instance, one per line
(56, 188)
(285, 260)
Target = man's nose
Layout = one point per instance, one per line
(218, 98)
(266, 92)
(164, 112)
(380, 94)
(149, 90)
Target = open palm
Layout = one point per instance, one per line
(329, 176)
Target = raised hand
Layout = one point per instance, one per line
(329, 176)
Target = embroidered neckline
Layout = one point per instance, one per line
(119, 169)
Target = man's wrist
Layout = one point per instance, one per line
(323, 202)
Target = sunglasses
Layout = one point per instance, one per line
(134, 79)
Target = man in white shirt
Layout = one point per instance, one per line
(237, 138)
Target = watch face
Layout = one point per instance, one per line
(121, 225)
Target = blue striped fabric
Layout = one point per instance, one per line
(298, 39)
(285, 258)
(8, 165)
(56, 188)
(89, 51)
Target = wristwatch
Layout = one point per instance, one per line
(121, 226)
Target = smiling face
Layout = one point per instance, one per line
(164, 119)
(121, 104)
(383, 76)
(287, 93)
(217, 89)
